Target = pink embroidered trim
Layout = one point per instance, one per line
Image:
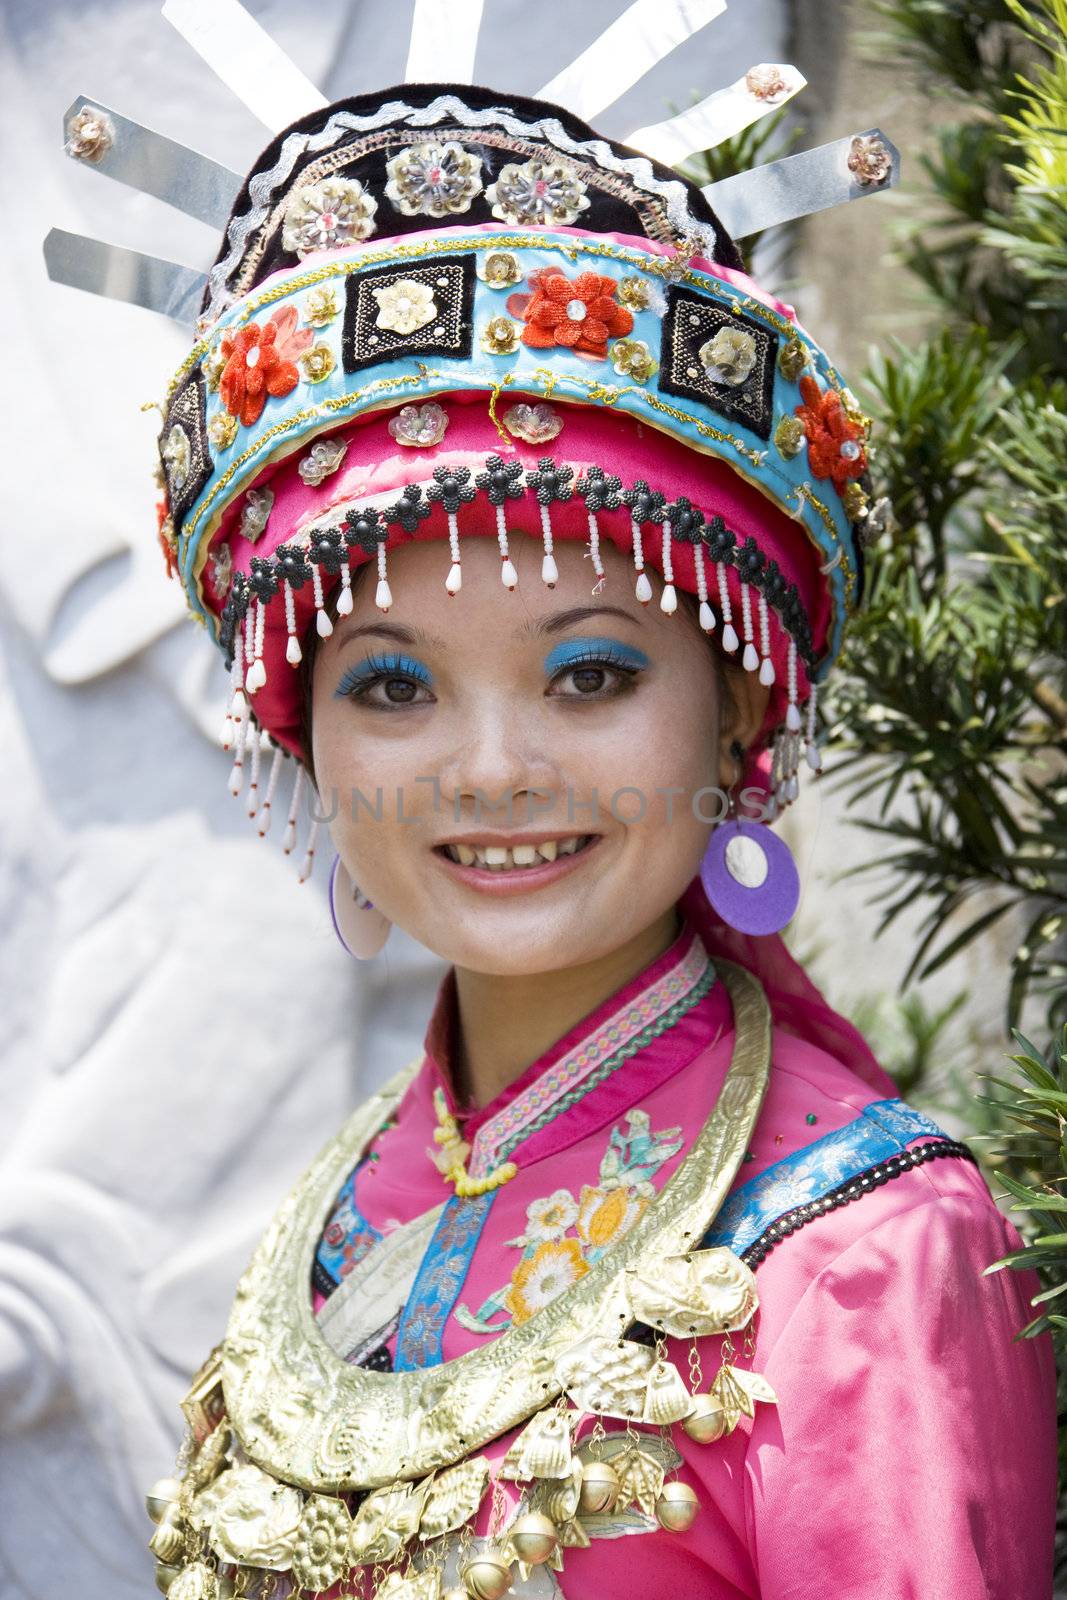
(571, 1070)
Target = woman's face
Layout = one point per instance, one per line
(531, 718)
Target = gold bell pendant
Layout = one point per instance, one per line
(168, 1540)
(160, 1496)
(707, 1421)
(534, 1538)
(676, 1507)
(600, 1488)
(487, 1577)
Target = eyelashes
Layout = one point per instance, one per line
(610, 652)
(375, 669)
(391, 681)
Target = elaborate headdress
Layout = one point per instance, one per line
(438, 312)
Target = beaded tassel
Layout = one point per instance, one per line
(237, 779)
(812, 754)
(256, 675)
(773, 806)
(642, 589)
(792, 782)
(237, 706)
(792, 715)
(289, 836)
(594, 553)
(730, 641)
(549, 570)
(788, 786)
(293, 652)
(344, 599)
(508, 575)
(668, 601)
(749, 659)
(383, 595)
(454, 581)
(707, 615)
(766, 666)
(309, 856)
(253, 775)
(323, 625)
(263, 820)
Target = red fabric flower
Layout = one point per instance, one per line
(259, 362)
(165, 534)
(833, 448)
(579, 313)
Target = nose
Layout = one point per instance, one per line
(501, 769)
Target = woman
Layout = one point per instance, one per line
(640, 1279)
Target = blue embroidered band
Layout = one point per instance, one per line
(881, 1131)
(439, 1281)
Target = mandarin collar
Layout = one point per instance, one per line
(645, 998)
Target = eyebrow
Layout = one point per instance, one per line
(565, 619)
(547, 625)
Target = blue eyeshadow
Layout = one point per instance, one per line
(383, 665)
(610, 650)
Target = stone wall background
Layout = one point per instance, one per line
(157, 1099)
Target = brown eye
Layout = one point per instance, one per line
(400, 691)
(587, 680)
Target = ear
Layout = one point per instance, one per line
(743, 709)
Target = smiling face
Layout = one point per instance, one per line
(544, 719)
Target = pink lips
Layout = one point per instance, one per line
(520, 879)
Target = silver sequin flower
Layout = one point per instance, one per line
(499, 268)
(433, 180)
(535, 424)
(177, 454)
(323, 215)
(322, 460)
(548, 193)
(870, 160)
(90, 134)
(419, 427)
(257, 508)
(729, 357)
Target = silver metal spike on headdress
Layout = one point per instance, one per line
(629, 48)
(798, 186)
(720, 116)
(444, 41)
(150, 162)
(247, 60)
(121, 274)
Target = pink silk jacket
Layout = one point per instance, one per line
(911, 1454)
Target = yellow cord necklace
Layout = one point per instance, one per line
(451, 1159)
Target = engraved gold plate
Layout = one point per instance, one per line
(306, 1417)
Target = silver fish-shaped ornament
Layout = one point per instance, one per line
(607, 1376)
(454, 1496)
(385, 1522)
(702, 1293)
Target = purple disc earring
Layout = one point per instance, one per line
(750, 877)
(358, 924)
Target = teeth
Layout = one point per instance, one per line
(498, 858)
